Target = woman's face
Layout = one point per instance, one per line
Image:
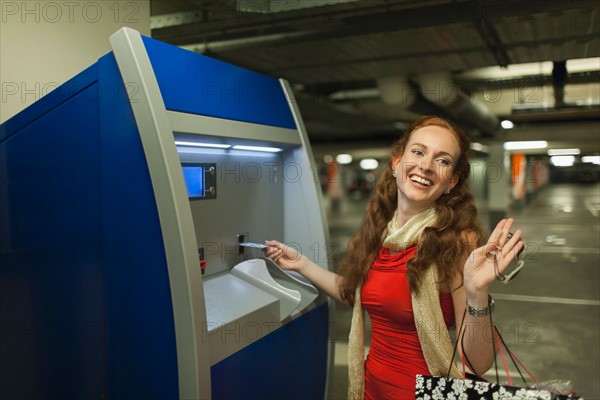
(426, 168)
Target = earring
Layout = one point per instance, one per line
(447, 191)
(395, 174)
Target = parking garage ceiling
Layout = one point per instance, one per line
(362, 70)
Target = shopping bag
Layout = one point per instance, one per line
(473, 387)
(442, 388)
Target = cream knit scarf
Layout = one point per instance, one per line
(431, 328)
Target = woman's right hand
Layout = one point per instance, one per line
(284, 256)
(288, 258)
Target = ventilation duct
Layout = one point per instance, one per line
(441, 90)
(274, 6)
(396, 91)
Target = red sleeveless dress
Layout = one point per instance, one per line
(395, 356)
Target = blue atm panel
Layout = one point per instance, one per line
(196, 84)
(279, 366)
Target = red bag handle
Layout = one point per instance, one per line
(501, 343)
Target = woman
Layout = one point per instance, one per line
(415, 265)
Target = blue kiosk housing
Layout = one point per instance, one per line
(116, 190)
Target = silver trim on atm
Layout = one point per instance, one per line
(175, 216)
(224, 128)
(313, 197)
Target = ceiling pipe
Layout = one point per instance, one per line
(392, 91)
(401, 98)
(440, 89)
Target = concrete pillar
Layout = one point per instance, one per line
(498, 177)
(45, 43)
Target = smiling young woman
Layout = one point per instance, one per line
(415, 266)
(394, 194)
(425, 170)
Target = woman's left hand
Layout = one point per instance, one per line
(479, 270)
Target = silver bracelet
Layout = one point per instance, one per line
(481, 312)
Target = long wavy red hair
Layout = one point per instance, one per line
(444, 244)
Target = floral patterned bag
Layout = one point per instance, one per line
(473, 387)
(442, 388)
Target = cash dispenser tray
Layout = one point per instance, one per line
(293, 280)
(249, 302)
(293, 293)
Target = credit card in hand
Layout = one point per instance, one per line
(253, 244)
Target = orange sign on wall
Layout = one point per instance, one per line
(519, 165)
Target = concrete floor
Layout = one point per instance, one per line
(550, 314)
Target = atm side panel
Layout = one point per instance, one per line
(52, 310)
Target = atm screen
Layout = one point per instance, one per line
(194, 180)
(200, 180)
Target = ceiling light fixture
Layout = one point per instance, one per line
(526, 145)
(591, 159)
(369, 164)
(563, 152)
(506, 124)
(343, 158)
(479, 147)
(562, 161)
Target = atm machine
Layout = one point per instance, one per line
(133, 201)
